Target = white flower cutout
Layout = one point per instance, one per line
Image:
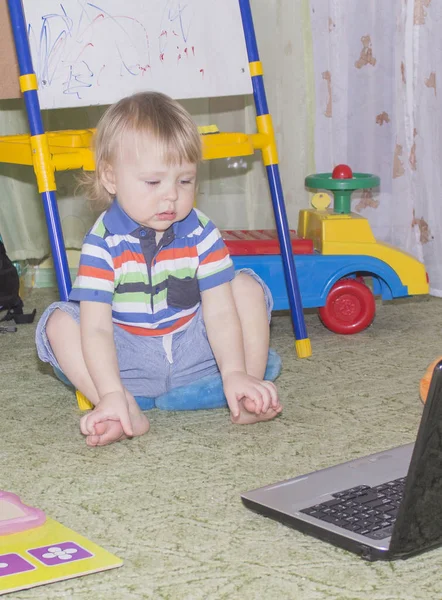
(55, 552)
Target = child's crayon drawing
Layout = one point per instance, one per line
(93, 52)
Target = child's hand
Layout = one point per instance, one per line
(112, 407)
(238, 385)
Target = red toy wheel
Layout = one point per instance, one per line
(350, 307)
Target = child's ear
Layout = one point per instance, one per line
(107, 178)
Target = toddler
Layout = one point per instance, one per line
(156, 303)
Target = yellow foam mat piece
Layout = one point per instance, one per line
(49, 553)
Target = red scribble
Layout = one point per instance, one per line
(115, 18)
(90, 25)
(175, 33)
(193, 50)
(162, 56)
(98, 77)
(179, 58)
(202, 72)
(83, 49)
(186, 52)
(164, 32)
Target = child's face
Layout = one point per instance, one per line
(153, 193)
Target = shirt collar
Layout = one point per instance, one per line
(186, 226)
(117, 221)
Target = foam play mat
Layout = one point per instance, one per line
(35, 550)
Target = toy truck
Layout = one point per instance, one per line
(340, 265)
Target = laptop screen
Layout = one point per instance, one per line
(419, 520)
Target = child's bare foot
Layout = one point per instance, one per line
(248, 416)
(108, 432)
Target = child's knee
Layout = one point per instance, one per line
(55, 324)
(246, 284)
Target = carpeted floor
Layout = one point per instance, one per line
(169, 503)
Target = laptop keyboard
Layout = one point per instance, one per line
(369, 511)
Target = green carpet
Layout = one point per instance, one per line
(169, 503)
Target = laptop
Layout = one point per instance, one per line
(383, 506)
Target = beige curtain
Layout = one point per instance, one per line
(376, 66)
(233, 192)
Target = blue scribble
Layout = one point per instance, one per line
(77, 80)
(68, 51)
(173, 12)
(178, 14)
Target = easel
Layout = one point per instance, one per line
(64, 150)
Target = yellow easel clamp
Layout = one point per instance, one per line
(41, 158)
(303, 348)
(223, 145)
(206, 129)
(256, 68)
(83, 402)
(28, 82)
(269, 152)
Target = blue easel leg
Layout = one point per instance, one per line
(56, 241)
(270, 159)
(42, 164)
(282, 227)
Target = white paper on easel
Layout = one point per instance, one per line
(87, 53)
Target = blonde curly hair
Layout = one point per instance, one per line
(150, 113)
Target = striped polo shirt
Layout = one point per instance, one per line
(154, 289)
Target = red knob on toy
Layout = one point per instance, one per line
(342, 172)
